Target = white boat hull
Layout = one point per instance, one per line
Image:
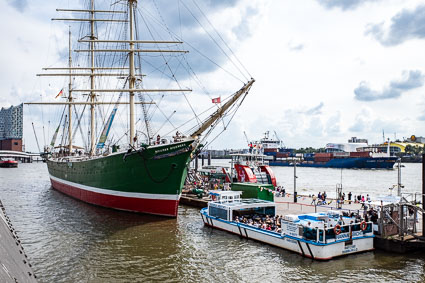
(304, 247)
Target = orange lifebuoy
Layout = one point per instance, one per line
(337, 229)
(363, 225)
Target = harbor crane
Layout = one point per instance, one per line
(246, 137)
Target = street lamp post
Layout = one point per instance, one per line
(295, 181)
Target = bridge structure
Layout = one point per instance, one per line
(24, 157)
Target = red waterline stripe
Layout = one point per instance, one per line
(141, 205)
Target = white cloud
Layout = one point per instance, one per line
(405, 25)
(410, 80)
(343, 4)
(306, 60)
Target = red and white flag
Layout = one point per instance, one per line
(216, 100)
(60, 93)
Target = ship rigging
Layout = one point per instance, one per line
(141, 175)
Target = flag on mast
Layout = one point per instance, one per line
(60, 93)
(216, 100)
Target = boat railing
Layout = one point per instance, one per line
(337, 233)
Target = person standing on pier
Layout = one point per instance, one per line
(349, 197)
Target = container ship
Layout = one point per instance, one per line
(356, 154)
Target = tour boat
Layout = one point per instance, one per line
(8, 163)
(320, 236)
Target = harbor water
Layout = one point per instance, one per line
(70, 241)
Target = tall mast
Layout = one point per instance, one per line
(132, 78)
(70, 96)
(92, 93)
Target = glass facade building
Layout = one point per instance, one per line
(11, 122)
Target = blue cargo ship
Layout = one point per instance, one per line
(356, 154)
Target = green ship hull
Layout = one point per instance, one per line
(149, 180)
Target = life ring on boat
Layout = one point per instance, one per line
(363, 225)
(213, 197)
(337, 229)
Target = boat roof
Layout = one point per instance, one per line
(243, 204)
(225, 193)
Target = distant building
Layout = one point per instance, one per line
(11, 128)
(353, 144)
(356, 140)
(415, 139)
(11, 144)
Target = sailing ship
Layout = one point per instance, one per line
(146, 177)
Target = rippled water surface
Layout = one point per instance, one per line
(70, 241)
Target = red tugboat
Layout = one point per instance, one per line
(8, 163)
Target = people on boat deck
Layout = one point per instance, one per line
(273, 223)
(269, 223)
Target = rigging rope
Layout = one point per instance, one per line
(212, 38)
(225, 43)
(168, 66)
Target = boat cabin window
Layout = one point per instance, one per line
(230, 199)
(218, 212)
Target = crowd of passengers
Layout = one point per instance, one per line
(269, 223)
(273, 223)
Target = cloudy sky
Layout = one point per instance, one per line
(325, 70)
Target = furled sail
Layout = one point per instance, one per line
(107, 126)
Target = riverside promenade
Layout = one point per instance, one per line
(286, 205)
